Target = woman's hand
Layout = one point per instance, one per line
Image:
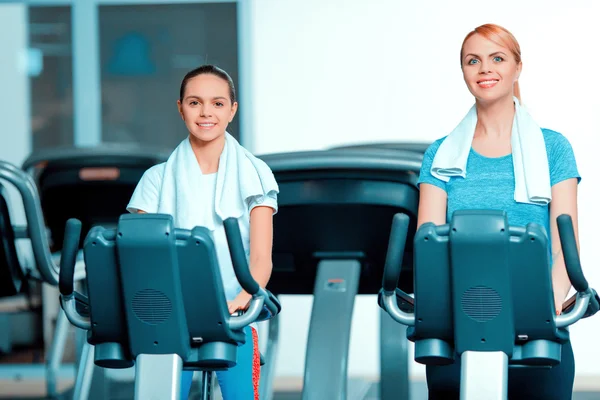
(240, 303)
(559, 299)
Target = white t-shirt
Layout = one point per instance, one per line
(146, 198)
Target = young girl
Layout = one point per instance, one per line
(498, 158)
(208, 178)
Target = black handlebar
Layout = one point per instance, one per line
(570, 252)
(395, 252)
(69, 256)
(271, 304)
(238, 256)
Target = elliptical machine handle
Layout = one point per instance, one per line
(272, 305)
(68, 257)
(242, 272)
(391, 272)
(68, 260)
(395, 252)
(570, 252)
(238, 256)
(586, 298)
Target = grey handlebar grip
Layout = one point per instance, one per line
(68, 257)
(570, 252)
(238, 256)
(395, 252)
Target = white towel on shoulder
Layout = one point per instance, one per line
(240, 176)
(530, 161)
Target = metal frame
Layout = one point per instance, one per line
(87, 104)
(245, 38)
(87, 97)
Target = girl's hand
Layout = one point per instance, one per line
(240, 303)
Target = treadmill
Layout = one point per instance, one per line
(416, 147)
(75, 182)
(330, 240)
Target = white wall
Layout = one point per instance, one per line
(341, 71)
(15, 134)
(15, 131)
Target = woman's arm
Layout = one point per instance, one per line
(432, 205)
(261, 245)
(564, 201)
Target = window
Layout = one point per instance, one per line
(52, 78)
(145, 50)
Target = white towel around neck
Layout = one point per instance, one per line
(530, 160)
(240, 176)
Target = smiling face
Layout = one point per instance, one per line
(489, 69)
(206, 107)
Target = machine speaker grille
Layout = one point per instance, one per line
(481, 303)
(151, 306)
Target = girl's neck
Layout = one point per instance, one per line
(208, 153)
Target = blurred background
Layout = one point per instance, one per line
(310, 74)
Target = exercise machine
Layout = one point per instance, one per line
(25, 258)
(474, 297)
(156, 300)
(93, 185)
(418, 148)
(330, 241)
(76, 183)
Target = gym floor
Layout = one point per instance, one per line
(30, 386)
(22, 377)
(418, 392)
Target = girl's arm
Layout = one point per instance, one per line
(261, 245)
